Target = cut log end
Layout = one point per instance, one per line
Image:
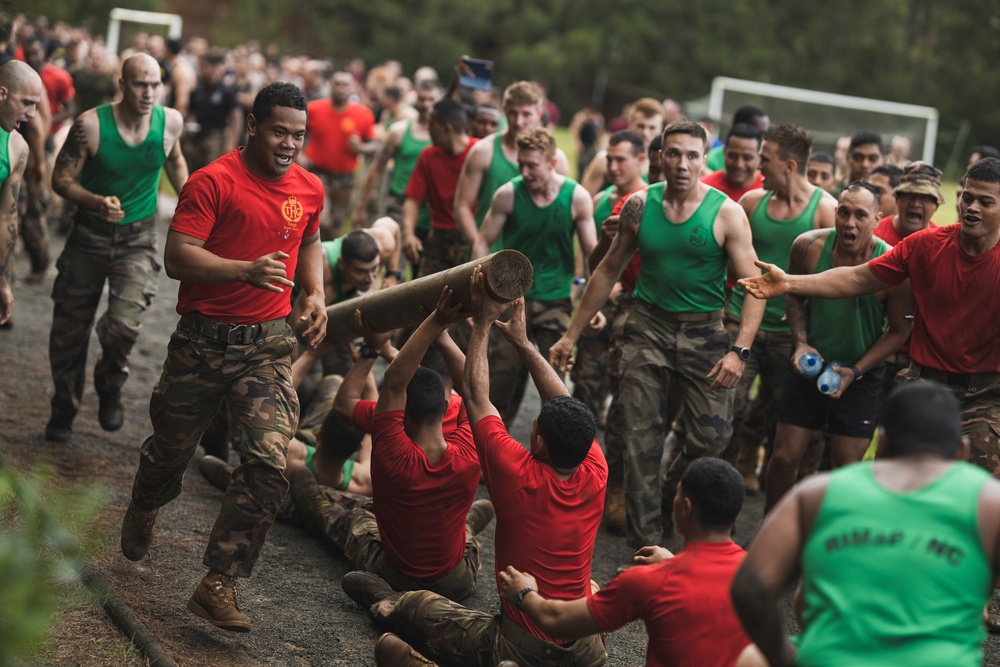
(509, 275)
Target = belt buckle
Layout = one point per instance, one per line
(235, 336)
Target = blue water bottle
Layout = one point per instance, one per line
(810, 364)
(829, 380)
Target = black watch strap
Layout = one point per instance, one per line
(520, 596)
(398, 275)
(743, 352)
(368, 352)
(857, 373)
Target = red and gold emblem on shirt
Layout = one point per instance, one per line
(291, 211)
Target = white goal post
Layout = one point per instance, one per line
(827, 115)
(173, 22)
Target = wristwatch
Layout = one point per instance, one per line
(744, 352)
(398, 275)
(368, 352)
(520, 596)
(857, 373)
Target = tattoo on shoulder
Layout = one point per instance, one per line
(73, 150)
(800, 248)
(632, 211)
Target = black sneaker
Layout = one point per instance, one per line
(57, 431)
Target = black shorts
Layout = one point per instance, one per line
(853, 415)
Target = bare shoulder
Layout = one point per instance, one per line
(751, 200)
(480, 154)
(503, 198)
(18, 146)
(398, 129)
(174, 122)
(733, 217)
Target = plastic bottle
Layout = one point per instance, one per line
(829, 380)
(810, 364)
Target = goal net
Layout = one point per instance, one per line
(827, 115)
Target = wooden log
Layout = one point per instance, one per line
(507, 273)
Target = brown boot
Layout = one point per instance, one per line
(391, 651)
(137, 532)
(480, 515)
(215, 601)
(614, 508)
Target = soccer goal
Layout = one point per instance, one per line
(118, 15)
(827, 115)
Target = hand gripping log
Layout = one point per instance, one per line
(507, 273)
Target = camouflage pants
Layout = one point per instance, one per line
(34, 225)
(315, 406)
(443, 249)
(614, 428)
(127, 262)
(457, 635)
(337, 198)
(253, 383)
(547, 321)
(590, 366)
(658, 351)
(348, 523)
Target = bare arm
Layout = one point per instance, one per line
(185, 258)
(583, 218)
(35, 132)
(412, 246)
(183, 81)
(837, 283)
(469, 182)
(493, 223)
(176, 166)
(352, 389)
(542, 374)
(477, 367)
(309, 269)
(454, 359)
(565, 619)
(596, 174)
(375, 172)
(9, 222)
(801, 260)
(82, 144)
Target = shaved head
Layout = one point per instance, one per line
(15, 75)
(138, 63)
(20, 92)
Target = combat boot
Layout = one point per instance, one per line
(215, 601)
(137, 532)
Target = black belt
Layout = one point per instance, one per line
(106, 228)
(710, 316)
(230, 334)
(973, 382)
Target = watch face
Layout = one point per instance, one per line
(744, 353)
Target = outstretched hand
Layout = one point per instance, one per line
(515, 330)
(774, 282)
(485, 309)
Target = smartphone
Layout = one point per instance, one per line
(482, 74)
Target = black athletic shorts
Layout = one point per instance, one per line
(853, 415)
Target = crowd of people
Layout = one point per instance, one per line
(720, 276)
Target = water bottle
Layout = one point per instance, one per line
(810, 364)
(829, 380)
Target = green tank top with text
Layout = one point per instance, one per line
(896, 578)
(544, 234)
(772, 240)
(4, 154)
(131, 173)
(406, 157)
(843, 329)
(683, 268)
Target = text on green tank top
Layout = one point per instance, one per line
(500, 171)
(682, 266)
(4, 154)
(406, 160)
(603, 208)
(927, 542)
(544, 234)
(772, 240)
(843, 329)
(131, 173)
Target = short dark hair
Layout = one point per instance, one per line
(278, 94)
(429, 84)
(214, 57)
(425, 401)
(568, 427)
(358, 245)
(794, 143)
(433, 360)
(453, 113)
(339, 437)
(174, 46)
(656, 144)
(986, 170)
(485, 106)
(393, 93)
(716, 491)
(865, 137)
(685, 127)
(922, 416)
(745, 131)
(985, 151)
(891, 171)
(747, 114)
(630, 137)
(823, 158)
(857, 186)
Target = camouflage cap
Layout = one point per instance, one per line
(920, 178)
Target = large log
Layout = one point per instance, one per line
(507, 276)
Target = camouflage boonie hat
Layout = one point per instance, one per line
(920, 178)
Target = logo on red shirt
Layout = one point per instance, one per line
(291, 211)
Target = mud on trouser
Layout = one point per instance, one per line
(251, 379)
(443, 249)
(96, 252)
(590, 364)
(658, 350)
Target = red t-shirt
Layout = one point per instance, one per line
(631, 273)
(886, 231)
(242, 216)
(364, 413)
(956, 319)
(717, 179)
(328, 131)
(545, 525)
(420, 508)
(59, 88)
(684, 602)
(435, 180)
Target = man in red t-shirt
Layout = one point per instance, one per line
(421, 534)
(684, 600)
(434, 180)
(953, 271)
(57, 81)
(549, 501)
(242, 227)
(742, 156)
(338, 132)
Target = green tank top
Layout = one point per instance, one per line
(545, 236)
(131, 173)
(843, 329)
(406, 160)
(603, 208)
(896, 578)
(501, 170)
(716, 158)
(683, 268)
(332, 251)
(772, 239)
(4, 154)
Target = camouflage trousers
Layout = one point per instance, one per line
(443, 249)
(614, 428)
(546, 322)
(250, 379)
(591, 383)
(347, 522)
(456, 635)
(979, 400)
(34, 225)
(124, 259)
(658, 351)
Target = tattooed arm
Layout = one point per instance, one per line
(18, 152)
(81, 144)
(802, 261)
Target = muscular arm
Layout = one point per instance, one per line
(67, 110)
(81, 144)
(477, 375)
(739, 247)
(565, 619)
(596, 174)
(377, 169)
(352, 389)
(182, 80)
(454, 359)
(400, 371)
(493, 223)
(469, 182)
(562, 163)
(9, 223)
(185, 258)
(583, 219)
(899, 305)
(309, 270)
(837, 283)
(801, 260)
(826, 212)
(176, 166)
